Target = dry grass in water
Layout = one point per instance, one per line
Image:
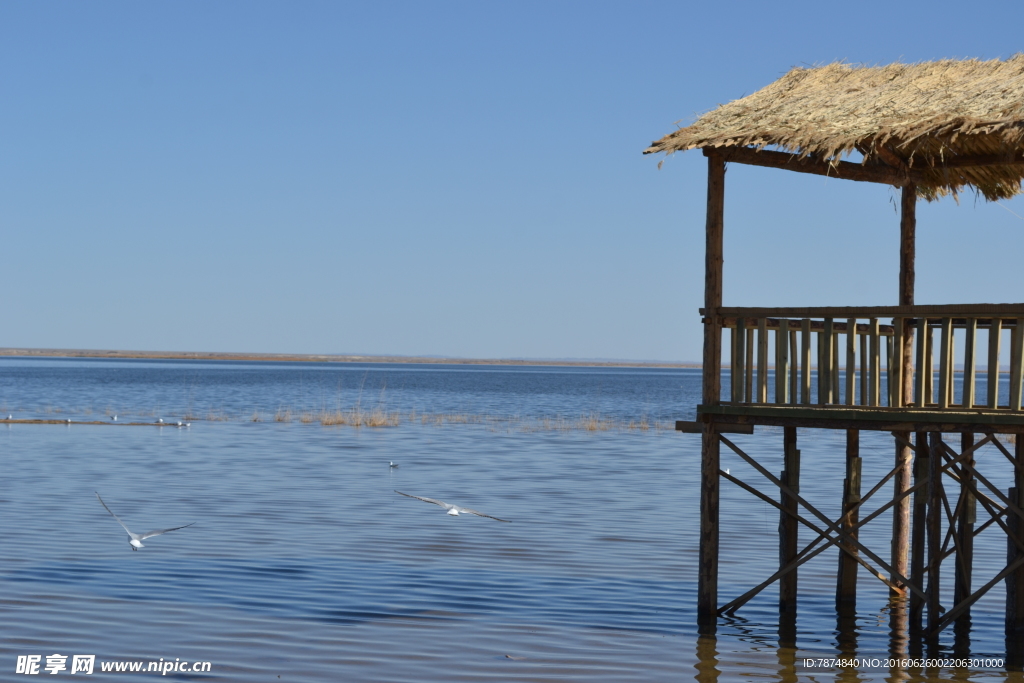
(283, 415)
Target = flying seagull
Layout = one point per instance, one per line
(452, 509)
(135, 540)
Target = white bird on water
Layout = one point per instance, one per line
(392, 465)
(159, 420)
(113, 418)
(135, 540)
(452, 509)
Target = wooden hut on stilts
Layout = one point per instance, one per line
(929, 129)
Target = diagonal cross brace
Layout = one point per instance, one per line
(828, 522)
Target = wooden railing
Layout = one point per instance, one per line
(850, 357)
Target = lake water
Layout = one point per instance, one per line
(304, 565)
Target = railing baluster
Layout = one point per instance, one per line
(1016, 366)
(995, 330)
(794, 375)
(782, 361)
(896, 373)
(921, 384)
(945, 362)
(825, 362)
(930, 365)
(851, 360)
(736, 376)
(805, 362)
(864, 369)
(834, 364)
(970, 333)
(762, 360)
(875, 384)
(748, 366)
(952, 371)
(889, 383)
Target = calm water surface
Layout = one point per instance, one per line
(304, 564)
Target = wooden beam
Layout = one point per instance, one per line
(689, 427)
(901, 419)
(845, 170)
(932, 311)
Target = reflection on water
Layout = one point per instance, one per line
(304, 563)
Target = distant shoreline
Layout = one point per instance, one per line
(323, 358)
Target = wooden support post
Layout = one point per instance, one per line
(1015, 579)
(934, 529)
(904, 368)
(788, 524)
(922, 466)
(901, 511)
(846, 580)
(707, 579)
(965, 531)
(908, 249)
(995, 331)
(782, 362)
(970, 336)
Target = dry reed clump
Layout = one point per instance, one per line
(217, 416)
(283, 415)
(360, 418)
(256, 416)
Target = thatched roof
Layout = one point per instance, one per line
(957, 123)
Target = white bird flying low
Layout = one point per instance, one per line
(452, 509)
(135, 540)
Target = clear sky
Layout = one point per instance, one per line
(443, 178)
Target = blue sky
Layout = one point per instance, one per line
(456, 179)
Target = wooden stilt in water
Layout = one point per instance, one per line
(846, 580)
(917, 541)
(933, 524)
(1015, 580)
(901, 511)
(965, 533)
(707, 578)
(788, 524)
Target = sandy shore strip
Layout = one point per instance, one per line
(326, 358)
